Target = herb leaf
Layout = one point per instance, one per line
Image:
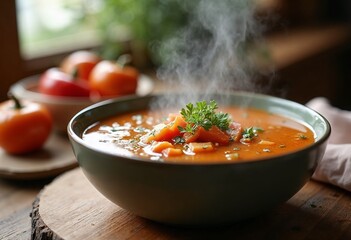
(251, 132)
(203, 114)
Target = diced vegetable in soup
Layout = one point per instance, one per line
(200, 133)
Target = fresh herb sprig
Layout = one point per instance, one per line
(251, 132)
(203, 114)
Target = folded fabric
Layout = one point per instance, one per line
(335, 166)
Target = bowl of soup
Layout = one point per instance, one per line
(219, 160)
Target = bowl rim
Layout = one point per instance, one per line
(20, 90)
(322, 140)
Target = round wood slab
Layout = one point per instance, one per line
(53, 159)
(71, 208)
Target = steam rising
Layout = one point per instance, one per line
(209, 55)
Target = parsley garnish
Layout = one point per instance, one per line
(251, 132)
(302, 136)
(203, 114)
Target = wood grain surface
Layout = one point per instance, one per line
(54, 158)
(16, 198)
(71, 208)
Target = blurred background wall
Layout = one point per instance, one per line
(308, 42)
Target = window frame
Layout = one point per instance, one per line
(13, 66)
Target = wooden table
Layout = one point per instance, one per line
(16, 198)
(317, 211)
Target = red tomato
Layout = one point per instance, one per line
(23, 128)
(111, 79)
(80, 63)
(57, 83)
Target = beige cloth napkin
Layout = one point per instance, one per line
(335, 166)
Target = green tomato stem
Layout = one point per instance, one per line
(124, 60)
(75, 73)
(18, 104)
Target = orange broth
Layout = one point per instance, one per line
(280, 135)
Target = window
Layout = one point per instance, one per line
(31, 32)
(51, 27)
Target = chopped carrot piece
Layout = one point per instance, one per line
(266, 142)
(158, 147)
(198, 147)
(156, 134)
(177, 122)
(166, 132)
(214, 134)
(172, 116)
(191, 137)
(171, 152)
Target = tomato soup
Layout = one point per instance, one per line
(273, 135)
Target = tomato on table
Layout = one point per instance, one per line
(57, 83)
(113, 79)
(80, 63)
(24, 127)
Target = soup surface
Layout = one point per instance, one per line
(269, 135)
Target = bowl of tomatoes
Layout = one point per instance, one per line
(81, 79)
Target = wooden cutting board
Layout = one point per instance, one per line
(70, 208)
(54, 158)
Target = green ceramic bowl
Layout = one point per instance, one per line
(198, 194)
